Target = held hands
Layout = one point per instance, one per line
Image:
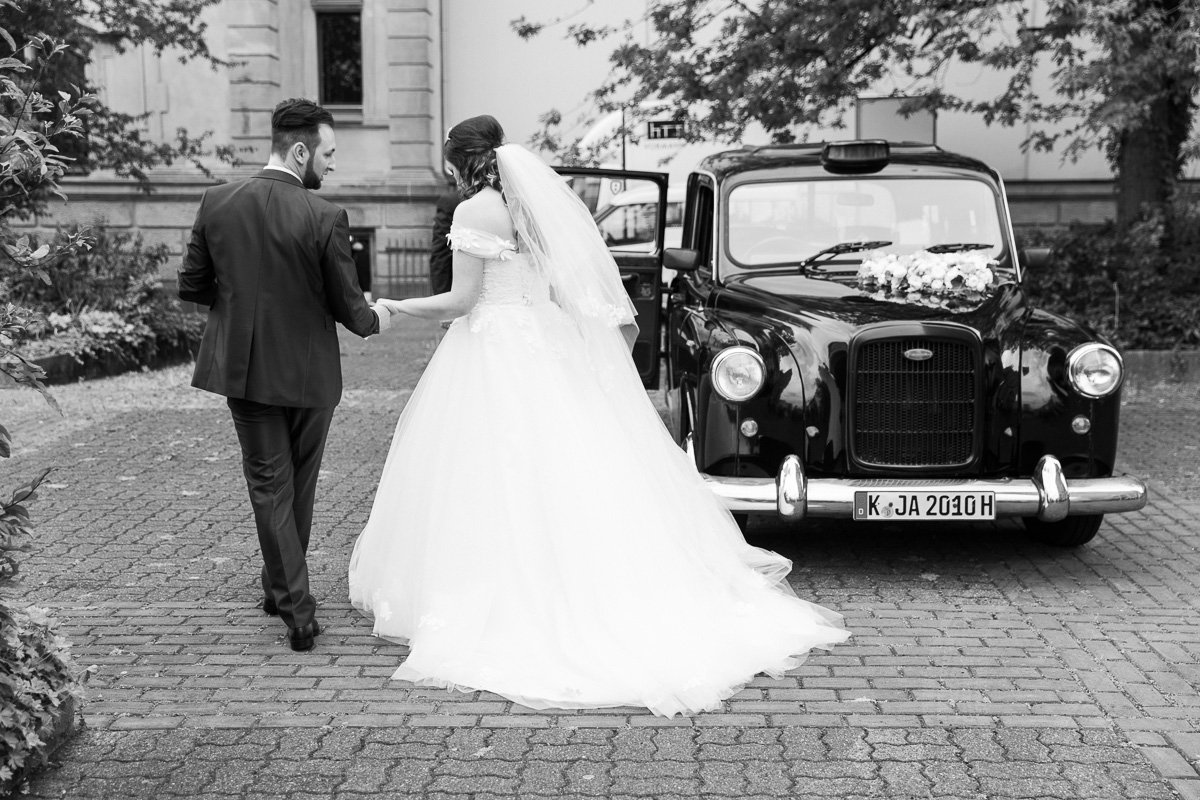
(385, 319)
(384, 309)
(391, 306)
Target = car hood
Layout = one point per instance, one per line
(841, 303)
(815, 319)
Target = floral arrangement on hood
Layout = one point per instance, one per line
(946, 280)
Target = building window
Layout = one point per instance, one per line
(339, 58)
(665, 129)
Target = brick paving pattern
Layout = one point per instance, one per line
(983, 665)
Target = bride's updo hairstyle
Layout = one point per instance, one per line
(471, 149)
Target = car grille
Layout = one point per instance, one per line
(915, 413)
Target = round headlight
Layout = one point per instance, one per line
(738, 373)
(1095, 369)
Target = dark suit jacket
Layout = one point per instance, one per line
(272, 260)
(441, 259)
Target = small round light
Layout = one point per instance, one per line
(749, 429)
(738, 373)
(1095, 369)
(1081, 424)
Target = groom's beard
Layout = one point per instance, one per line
(311, 179)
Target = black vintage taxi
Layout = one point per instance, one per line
(848, 336)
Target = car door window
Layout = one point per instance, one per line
(629, 226)
(702, 227)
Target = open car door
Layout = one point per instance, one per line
(630, 210)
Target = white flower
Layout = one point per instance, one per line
(923, 276)
(59, 322)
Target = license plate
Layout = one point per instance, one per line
(901, 506)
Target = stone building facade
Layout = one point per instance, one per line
(389, 169)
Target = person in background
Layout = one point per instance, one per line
(440, 256)
(362, 263)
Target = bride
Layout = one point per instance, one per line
(536, 532)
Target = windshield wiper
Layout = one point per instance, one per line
(837, 250)
(957, 247)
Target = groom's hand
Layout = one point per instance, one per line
(384, 315)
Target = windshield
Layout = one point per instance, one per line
(785, 222)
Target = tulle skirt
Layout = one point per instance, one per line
(538, 534)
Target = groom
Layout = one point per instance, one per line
(273, 263)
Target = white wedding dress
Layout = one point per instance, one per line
(538, 534)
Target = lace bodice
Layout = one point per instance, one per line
(509, 275)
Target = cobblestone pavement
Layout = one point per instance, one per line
(982, 664)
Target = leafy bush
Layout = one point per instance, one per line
(37, 676)
(1141, 289)
(36, 673)
(107, 300)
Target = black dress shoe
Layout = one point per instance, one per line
(302, 638)
(269, 607)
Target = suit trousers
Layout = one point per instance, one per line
(282, 449)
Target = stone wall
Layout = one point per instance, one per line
(391, 213)
(1054, 203)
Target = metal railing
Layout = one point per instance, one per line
(403, 271)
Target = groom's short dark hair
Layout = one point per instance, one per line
(297, 120)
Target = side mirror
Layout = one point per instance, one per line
(1035, 257)
(681, 259)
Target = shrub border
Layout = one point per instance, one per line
(66, 722)
(67, 368)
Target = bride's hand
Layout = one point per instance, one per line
(391, 306)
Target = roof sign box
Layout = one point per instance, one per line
(856, 157)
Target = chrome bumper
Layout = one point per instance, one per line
(1048, 495)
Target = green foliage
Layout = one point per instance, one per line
(30, 167)
(37, 676)
(101, 137)
(1124, 74)
(15, 527)
(16, 368)
(1137, 288)
(783, 65)
(30, 164)
(36, 672)
(106, 300)
(109, 275)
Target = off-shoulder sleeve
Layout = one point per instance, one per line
(480, 244)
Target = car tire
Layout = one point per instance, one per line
(1069, 532)
(743, 522)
